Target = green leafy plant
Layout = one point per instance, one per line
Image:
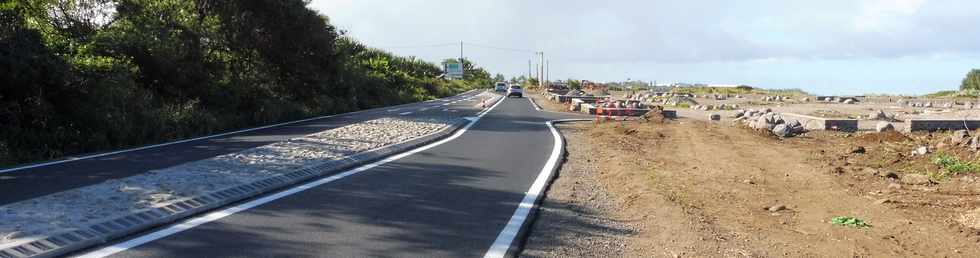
(954, 165)
(849, 221)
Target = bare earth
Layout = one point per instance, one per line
(694, 188)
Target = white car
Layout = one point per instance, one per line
(515, 90)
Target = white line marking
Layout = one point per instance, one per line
(70, 159)
(216, 215)
(536, 107)
(509, 233)
(404, 113)
(393, 110)
(423, 109)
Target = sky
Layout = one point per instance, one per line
(842, 47)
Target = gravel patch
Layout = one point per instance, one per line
(577, 217)
(76, 208)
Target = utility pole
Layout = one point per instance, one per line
(529, 69)
(547, 72)
(541, 70)
(462, 65)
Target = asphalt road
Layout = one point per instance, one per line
(22, 184)
(451, 200)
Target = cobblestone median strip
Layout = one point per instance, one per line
(63, 222)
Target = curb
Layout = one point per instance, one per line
(62, 243)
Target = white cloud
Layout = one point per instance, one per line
(882, 14)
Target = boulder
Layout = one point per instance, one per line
(782, 130)
(928, 104)
(878, 115)
(915, 179)
(761, 124)
(884, 127)
(849, 101)
(738, 114)
(948, 105)
(921, 150)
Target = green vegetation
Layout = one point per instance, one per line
(849, 222)
(953, 165)
(955, 94)
(741, 90)
(969, 88)
(972, 80)
(91, 75)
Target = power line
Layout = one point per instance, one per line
(421, 46)
(501, 48)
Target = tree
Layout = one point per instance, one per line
(499, 78)
(574, 84)
(972, 80)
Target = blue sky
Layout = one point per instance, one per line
(826, 47)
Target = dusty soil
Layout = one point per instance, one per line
(695, 188)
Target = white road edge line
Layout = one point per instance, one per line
(535, 104)
(507, 236)
(405, 113)
(216, 215)
(8, 170)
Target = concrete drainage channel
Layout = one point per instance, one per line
(66, 242)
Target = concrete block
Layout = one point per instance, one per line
(931, 125)
(820, 123)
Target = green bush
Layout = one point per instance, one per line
(172, 69)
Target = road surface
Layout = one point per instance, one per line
(22, 183)
(450, 200)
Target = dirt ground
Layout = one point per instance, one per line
(689, 188)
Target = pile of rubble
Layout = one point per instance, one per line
(880, 115)
(929, 104)
(769, 121)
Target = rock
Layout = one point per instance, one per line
(738, 114)
(884, 127)
(878, 115)
(894, 186)
(856, 150)
(748, 182)
(805, 99)
(888, 174)
(970, 219)
(795, 123)
(714, 117)
(958, 136)
(782, 130)
(883, 201)
(849, 101)
(776, 208)
(975, 143)
(948, 105)
(928, 104)
(921, 150)
(915, 179)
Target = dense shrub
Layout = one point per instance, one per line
(90, 75)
